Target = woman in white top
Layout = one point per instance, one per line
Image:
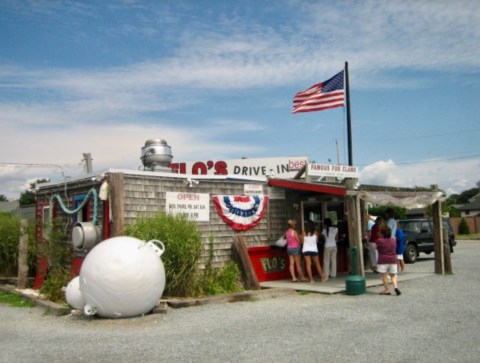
(330, 249)
(310, 252)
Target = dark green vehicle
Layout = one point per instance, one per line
(419, 237)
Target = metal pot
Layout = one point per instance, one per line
(85, 235)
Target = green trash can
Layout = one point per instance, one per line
(355, 284)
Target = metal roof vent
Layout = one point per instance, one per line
(156, 155)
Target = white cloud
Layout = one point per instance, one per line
(452, 177)
(110, 147)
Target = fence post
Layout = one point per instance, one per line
(23, 255)
(446, 252)
(438, 238)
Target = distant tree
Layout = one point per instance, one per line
(28, 196)
(3, 198)
(380, 211)
(445, 209)
(453, 199)
(453, 212)
(467, 194)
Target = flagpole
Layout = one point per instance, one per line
(349, 121)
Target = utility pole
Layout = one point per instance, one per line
(87, 158)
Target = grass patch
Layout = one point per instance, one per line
(474, 236)
(15, 300)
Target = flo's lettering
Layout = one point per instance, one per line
(273, 264)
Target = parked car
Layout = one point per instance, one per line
(419, 237)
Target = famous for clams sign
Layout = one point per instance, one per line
(285, 167)
(337, 171)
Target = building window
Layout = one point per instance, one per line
(83, 214)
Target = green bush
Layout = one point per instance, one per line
(59, 253)
(9, 236)
(183, 249)
(215, 281)
(57, 278)
(182, 256)
(463, 227)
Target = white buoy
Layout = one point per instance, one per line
(73, 295)
(122, 277)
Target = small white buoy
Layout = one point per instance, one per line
(73, 295)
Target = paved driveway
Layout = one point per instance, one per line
(436, 319)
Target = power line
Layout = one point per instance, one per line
(421, 136)
(40, 165)
(62, 167)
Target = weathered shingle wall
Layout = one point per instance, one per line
(146, 195)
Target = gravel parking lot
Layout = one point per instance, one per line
(436, 319)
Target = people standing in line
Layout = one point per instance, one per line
(368, 224)
(375, 234)
(294, 250)
(391, 222)
(387, 260)
(330, 249)
(310, 252)
(400, 237)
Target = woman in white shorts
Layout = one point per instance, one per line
(310, 252)
(387, 260)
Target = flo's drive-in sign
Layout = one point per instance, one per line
(285, 167)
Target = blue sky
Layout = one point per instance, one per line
(216, 79)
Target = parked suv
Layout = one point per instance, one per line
(419, 237)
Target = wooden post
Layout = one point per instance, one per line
(437, 238)
(23, 255)
(240, 254)
(446, 252)
(117, 199)
(354, 222)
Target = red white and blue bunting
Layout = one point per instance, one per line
(241, 212)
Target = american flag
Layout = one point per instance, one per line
(321, 96)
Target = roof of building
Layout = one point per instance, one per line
(475, 205)
(309, 187)
(474, 198)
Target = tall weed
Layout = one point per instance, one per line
(223, 280)
(183, 249)
(59, 253)
(9, 237)
(182, 256)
